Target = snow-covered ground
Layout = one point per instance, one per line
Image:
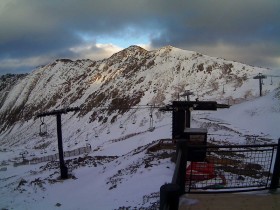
(119, 172)
(257, 117)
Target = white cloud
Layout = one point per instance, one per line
(95, 51)
(24, 62)
(257, 54)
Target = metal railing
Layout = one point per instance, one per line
(225, 169)
(232, 168)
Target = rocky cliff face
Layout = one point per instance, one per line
(131, 77)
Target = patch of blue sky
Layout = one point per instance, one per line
(123, 42)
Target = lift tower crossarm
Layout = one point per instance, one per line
(58, 111)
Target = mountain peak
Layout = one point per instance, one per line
(132, 50)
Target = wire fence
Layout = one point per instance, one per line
(231, 168)
(71, 153)
(220, 169)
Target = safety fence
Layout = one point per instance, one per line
(71, 153)
(224, 169)
(231, 168)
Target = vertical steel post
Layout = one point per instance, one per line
(260, 77)
(178, 121)
(187, 118)
(260, 83)
(63, 168)
(181, 179)
(169, 196)
(276, 170)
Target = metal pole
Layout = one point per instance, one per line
(276, 170)
(187, 118)
(63, 168)
(260, 82)
(260, 77)
(169, 196)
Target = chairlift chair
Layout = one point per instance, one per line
(43, 128)
(151, 128)
(133, 119)
(95, 133)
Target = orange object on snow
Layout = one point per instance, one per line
(200, 171)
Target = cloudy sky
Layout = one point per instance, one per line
(36, 32)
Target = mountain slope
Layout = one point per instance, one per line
(132, 76)
(119, 171)
(258, 117)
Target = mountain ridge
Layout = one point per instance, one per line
(133, 76)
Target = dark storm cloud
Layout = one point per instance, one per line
(33, 27)
(41, 29)
(233, 21)
(239, 25)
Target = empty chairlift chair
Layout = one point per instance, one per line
(43, 128)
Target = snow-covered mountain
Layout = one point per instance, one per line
(119, 171)
(131, 77)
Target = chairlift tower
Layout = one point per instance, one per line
(188, 93)
(260, 77)
(181, 113)
(58, 113)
